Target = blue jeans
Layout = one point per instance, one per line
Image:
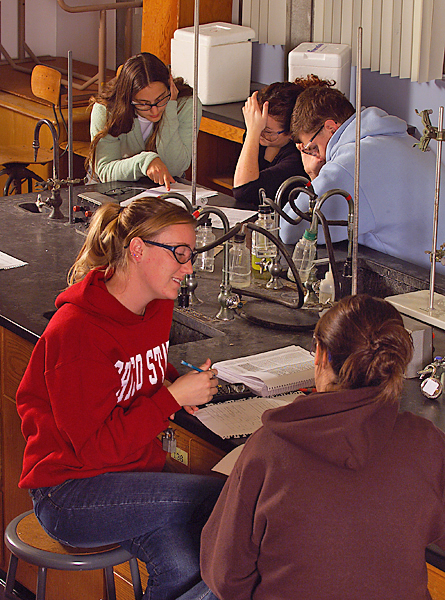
(158, 517)
(200, 591)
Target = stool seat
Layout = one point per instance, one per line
(26, 539)
(15, 161)
(24, 155)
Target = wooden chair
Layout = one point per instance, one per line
(46, 83)
(27, 541)
(16, 159)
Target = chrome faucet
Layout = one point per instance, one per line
(226, 299)
(55, 200)
(186, 202)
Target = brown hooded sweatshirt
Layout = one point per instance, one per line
(334, 498)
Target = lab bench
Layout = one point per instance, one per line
(27, 297)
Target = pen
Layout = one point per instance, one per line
(186, 364)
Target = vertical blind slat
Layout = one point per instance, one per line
(367, 32)
(376, 34)
(385, 37)
(327, 20)
(318, 20)
(346, 22)
(263, 16)
(396, 35)
(336, 21)
(406, 38)
(276, 22)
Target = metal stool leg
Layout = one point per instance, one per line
(109, 581)
(8, 184)
(41, 584)
(10, 577)
(136, 578)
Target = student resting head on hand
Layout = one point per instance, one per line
(142, 124)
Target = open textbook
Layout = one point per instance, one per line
(270, 373)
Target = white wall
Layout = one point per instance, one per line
(9, 27)
(49, 30)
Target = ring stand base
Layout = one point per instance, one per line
(417, 305)
(274, 316)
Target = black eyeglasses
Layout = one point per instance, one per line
(182, 252)
(146, 106)
(306, 146)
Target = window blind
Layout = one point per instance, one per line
(404, 38)
(267, 18)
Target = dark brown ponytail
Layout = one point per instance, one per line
(367, 344)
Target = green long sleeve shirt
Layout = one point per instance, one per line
(124, 158)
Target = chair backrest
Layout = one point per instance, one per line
(46, 84)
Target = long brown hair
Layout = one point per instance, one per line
(136, 73)
(113, 227)
(366, 344)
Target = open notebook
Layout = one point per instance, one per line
(270, 373)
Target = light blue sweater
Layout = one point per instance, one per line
(124, 158)
(396, 197)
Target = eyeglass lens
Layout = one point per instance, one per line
(271, 135)
(148, 106)
(183, 254)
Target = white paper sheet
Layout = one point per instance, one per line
(9, 262)
(227, 463)
(236, 418)
(180, 188)
(234, 215)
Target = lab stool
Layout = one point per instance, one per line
(27, 540)
(14, 161)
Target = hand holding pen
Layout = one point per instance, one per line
(195, 388)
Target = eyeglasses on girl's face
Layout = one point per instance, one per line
(181, 252)
(271, 136)
(146, 106)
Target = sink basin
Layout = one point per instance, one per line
(185, 328)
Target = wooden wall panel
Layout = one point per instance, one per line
(160, 19)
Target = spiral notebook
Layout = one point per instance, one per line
(271, 373)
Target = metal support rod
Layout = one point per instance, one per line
(436, 211)
(358, 119)
(21, 28)
(195, 100)
(102, 58)
(128, 35)
(70, 137)
(96, 7)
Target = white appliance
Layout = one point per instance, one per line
(224, 61)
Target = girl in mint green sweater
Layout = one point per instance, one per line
(142, 124)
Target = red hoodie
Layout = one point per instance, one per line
(92, 399)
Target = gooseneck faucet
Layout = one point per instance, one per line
(186, 202)
(55, 200)
(226, 299)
